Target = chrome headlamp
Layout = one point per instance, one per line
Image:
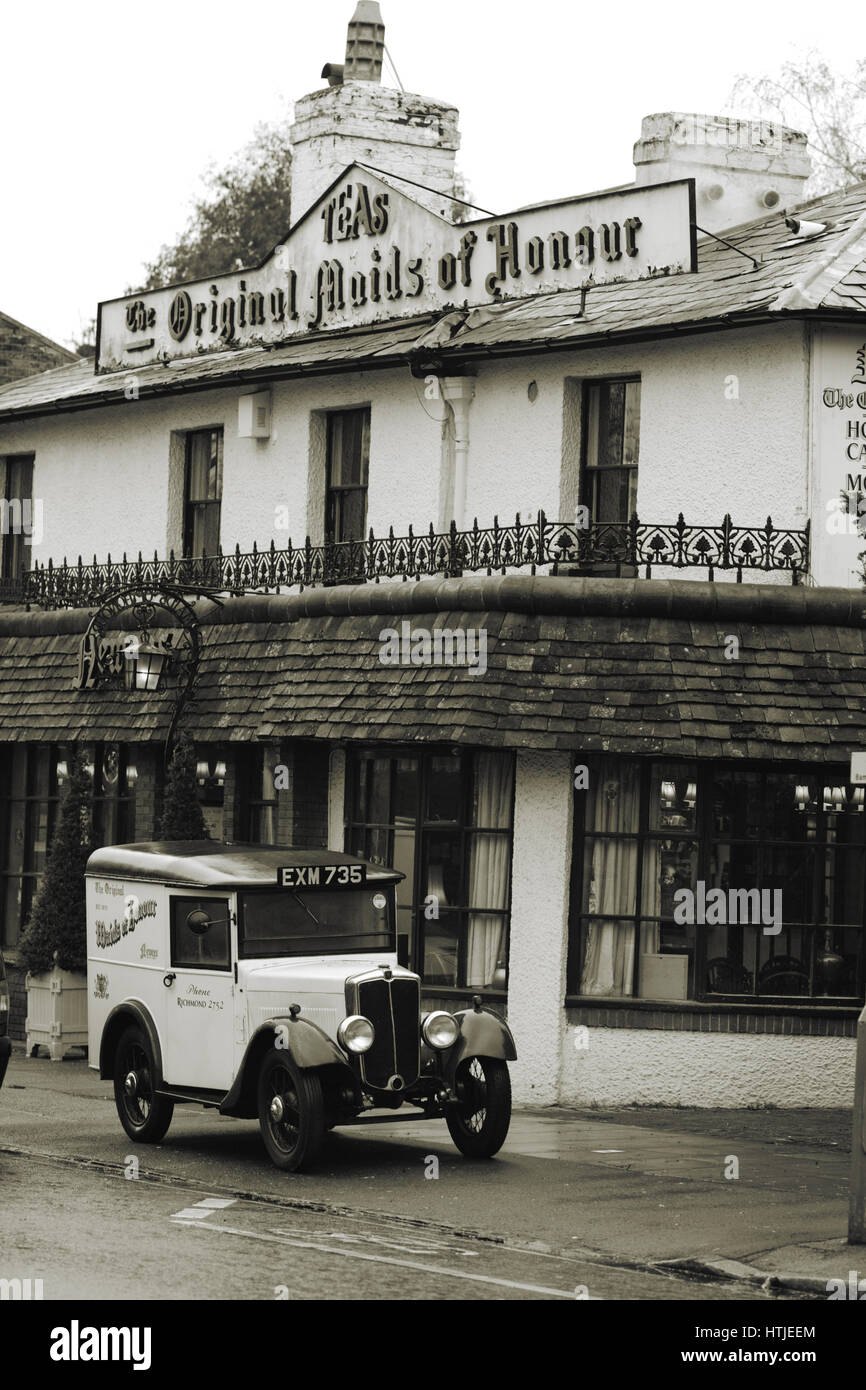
(440, 1030)
(356, 1034)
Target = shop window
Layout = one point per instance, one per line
(203, 490)
(611, 450)
(348, 470)
(445, 821)
(16, 492)
(33, 777)
(773, 863)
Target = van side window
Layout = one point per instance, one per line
(200, 937)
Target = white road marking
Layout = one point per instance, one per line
(607, 1151)
(408, 1246)
(441, 1270)
(199, 1210)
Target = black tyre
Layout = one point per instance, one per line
(291, 1108)
(478, 1124)
(144, 1115)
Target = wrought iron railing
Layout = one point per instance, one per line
(627, 548)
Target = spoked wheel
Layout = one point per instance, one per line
(478, 1124)
(144, 1115)
(291, 1113)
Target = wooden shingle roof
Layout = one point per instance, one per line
(621, 666)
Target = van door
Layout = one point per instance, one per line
(198, 1034)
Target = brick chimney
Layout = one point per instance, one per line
(742, 169)
(355, 118)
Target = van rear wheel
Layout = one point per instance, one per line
(291, 1108)
(144, 1115)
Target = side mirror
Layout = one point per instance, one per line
(199, 922)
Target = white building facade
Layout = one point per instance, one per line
(622, 436)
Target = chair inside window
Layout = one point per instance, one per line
(783, 975)
(726, 976)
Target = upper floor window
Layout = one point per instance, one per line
(16, 514)
(611, 450)
(203, 490)
(348, 473)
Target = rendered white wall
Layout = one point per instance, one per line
(724, 428)
(645, 1066)
(539, 915)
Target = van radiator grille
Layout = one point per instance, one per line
(394, 1009)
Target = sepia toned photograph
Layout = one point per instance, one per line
(433, 671)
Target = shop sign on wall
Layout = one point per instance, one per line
(367, 252)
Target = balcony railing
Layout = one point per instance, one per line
(628, 548)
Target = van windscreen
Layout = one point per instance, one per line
(292, 923)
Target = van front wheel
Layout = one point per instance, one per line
(291, 1112)
(144, 1115)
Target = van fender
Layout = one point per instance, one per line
(482, 1034)
(130, 1011)
(305, 1043)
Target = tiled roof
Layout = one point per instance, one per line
(822, 273)
(573, 665)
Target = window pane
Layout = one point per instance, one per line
(444, 868)
(608, 964)
(843, 872)
(673, 796)
(610, 877)
(444, 790)
(668, 866)
(208, 949)
(442, 950)
(406, 788)
(492, 791)
(613, 798)
(786, 808)
(790, 873)
(736, 802)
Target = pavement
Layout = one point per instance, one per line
(754, 1197)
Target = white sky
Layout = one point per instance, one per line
(110, 112)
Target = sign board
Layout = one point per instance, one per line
(839, 476)
(367, 253)
(858, 770)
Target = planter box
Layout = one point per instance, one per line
(56, 1012)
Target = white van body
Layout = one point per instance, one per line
(204, 960)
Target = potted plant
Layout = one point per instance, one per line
(54, 942)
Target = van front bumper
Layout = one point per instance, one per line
(5, 1051)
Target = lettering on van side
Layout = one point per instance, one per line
(107, 936)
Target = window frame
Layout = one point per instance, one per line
(189, 899)
(195, 507)
(706, 840)
(336, 493)
(423, 827)
(590, 471)
(16, 545)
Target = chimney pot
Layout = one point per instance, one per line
(365, 44)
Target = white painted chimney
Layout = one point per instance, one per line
(742, 169)
(356, 119)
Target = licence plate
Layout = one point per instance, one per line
(323, 876)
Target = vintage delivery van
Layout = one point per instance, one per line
(264, 982)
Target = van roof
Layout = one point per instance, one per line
(210, 864)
